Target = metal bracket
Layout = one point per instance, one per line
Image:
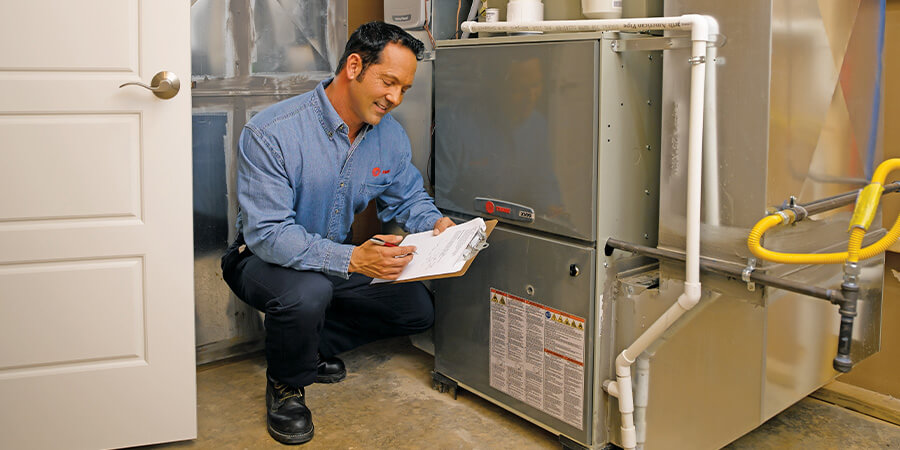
(694, 60)
(745, 274)
(643, 44)
(428, 55)
(800, 212)
(718, 40)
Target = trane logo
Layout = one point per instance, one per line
(403, 18)
(490, 207)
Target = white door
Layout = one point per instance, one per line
(96, 283)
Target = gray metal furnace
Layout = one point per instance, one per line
(557, 136)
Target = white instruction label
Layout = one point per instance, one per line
(537, 356)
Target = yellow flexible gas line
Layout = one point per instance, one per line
(855, 244)
(866, 207)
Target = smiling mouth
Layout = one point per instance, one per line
(382, 109)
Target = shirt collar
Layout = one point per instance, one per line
(328, 117)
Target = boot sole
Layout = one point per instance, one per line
(333, 378)
(290, 439)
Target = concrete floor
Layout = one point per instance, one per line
(387, 402)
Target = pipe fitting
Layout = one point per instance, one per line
(851, 269)
(850, 291)
(798, 212)
(699, 26)
(851, 275)
(788, 216)
(712, 26)
(691, 295)
(611, 388)
(623, 364)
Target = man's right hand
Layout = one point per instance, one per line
(378, 261)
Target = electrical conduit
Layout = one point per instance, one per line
(699, 27)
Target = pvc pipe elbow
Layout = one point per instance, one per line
(691, 296)
(712, 24)
(699, 26)
(623, 365)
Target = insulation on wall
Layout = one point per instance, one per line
(246, 55)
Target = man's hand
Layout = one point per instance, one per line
(379, 261)
(442, 224)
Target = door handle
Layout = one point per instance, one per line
(163, 85)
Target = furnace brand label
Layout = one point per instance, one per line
(537, 356)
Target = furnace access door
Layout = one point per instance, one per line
(516, 132)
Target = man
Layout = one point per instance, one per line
(306, 165)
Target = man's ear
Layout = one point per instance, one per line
(353, 66)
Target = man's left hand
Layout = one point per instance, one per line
(442, 224)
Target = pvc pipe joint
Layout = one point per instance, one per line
(691, 296)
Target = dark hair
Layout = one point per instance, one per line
(370, 39)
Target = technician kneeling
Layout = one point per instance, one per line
(306, 165)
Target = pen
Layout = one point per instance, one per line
(377, 241)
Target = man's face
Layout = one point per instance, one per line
(382, 85)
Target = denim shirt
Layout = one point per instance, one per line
(300, 182)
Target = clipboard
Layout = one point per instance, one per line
(479, 243)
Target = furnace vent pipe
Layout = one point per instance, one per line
(699, 26)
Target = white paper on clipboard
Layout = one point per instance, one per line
(445, 253)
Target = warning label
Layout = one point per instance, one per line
(537, 356)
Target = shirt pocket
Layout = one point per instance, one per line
(372, 190)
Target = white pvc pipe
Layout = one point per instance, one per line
(473, 11)
(642, 370)
(641, 396)
(691, 295)
(644, 24)
(700, 35)
(710, 136)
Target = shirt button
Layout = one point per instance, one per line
(337, 211)
(342, 184)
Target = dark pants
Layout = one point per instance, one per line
(310, 312)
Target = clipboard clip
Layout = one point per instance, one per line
(478, 243)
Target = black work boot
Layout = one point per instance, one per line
(289, 420)
(330, 370)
